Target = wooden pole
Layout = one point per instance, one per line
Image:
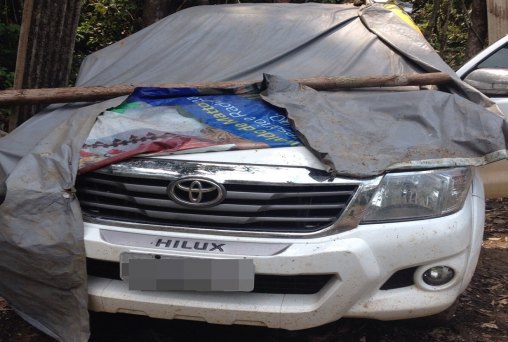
(21, 57)
(101, 93)
(23, 44)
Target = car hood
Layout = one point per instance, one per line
(298, 156)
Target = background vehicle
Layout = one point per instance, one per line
(488, 72)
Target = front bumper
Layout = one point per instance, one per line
(361, 261)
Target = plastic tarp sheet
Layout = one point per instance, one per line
(42, 268)
(365, 133)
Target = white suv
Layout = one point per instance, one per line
(280, 242)
(402, 245)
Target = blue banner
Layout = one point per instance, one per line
(245, 116)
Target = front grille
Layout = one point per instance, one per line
(247, 206)
(263, 283)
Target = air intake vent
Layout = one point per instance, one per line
(263, 283)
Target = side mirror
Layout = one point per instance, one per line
(490, 81)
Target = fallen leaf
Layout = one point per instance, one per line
(490, 325)
(495, 287)
(502, 302)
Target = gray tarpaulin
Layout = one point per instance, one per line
(358, 133)
(365, 133)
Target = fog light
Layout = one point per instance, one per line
(438, 275)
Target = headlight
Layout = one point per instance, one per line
(419, 195)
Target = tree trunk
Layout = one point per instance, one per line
(497, 19)
(155, 10)
(477, 29)
(45, 49)
(433, 19)
(443, 32)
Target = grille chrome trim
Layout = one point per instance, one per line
(221, 207)
(359, 191)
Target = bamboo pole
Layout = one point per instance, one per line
(100, 93)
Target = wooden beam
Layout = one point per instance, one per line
(101, 93)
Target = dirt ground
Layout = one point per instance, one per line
(482, 313)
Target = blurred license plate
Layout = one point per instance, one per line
(150, 272)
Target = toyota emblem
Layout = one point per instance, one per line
(196, 192)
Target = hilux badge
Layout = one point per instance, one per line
(196, 192)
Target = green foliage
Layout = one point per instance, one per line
(9, 35)
(104, 22)
(10, 20)
(445, 24)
